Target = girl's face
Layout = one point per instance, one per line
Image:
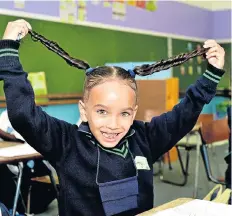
(110, 111)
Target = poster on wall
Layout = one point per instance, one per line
(95, 2)
(81, 11)
(182, 70)
(119, 10)
(107, 3)
(38, 83)
(141, 4)
(68, 11)
(132, 3)
(190, 70)
(151, 5)
(19, 4)
(199, 70)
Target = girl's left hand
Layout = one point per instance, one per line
(216, 54)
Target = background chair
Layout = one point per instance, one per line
(211, 132)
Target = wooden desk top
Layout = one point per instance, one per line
(4, 144)
(5, 160)
(165, 206)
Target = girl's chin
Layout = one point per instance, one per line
(109, 145)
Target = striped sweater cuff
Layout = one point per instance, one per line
(9, 48)
(9, 44)
(214, 74)
(9, 54)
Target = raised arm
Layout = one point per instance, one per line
(164, 131)
(46, 134)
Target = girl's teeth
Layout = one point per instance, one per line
(110, 135)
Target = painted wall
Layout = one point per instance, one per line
(170, 18)
(68, 112)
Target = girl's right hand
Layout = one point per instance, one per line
(16, 30)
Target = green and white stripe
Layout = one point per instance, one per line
(211, 76)
(8, 52)
(120, 152)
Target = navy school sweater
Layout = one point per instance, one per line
(73, 150)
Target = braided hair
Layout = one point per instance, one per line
(98, 75)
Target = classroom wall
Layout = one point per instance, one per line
(170, 17)
(66, 112)
(182, 23)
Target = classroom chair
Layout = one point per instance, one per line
(204, 121)
(51, 178)
(214, 193)
(214, 131)
(225, 197)
(188, 146)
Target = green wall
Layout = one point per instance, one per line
(96, 46)
(181, 46)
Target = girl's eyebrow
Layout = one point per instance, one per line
(129, 108)
(101, 105)
(105, 107)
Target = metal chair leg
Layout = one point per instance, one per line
(29, 200)
(205, 158)
(48, 165)
(184, 170)
(197, 166)
(20, 165)
(169, 161)
(160, 161)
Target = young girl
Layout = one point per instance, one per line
(105, 164)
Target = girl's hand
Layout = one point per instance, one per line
(16, 30)
(216, 54)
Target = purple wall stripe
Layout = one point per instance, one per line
(171, 18)
(222, 24)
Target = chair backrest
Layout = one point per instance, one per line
(204, 118)
(214, 131)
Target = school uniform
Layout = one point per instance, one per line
(82, 164)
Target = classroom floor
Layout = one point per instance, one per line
(166, 192)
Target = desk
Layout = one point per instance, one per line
(19, 160)
(168, 205)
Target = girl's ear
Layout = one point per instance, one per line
(82, 111)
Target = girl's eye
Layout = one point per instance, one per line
(126, 114)
(101, 112)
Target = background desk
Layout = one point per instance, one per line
(20, 158)
(17, 159)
